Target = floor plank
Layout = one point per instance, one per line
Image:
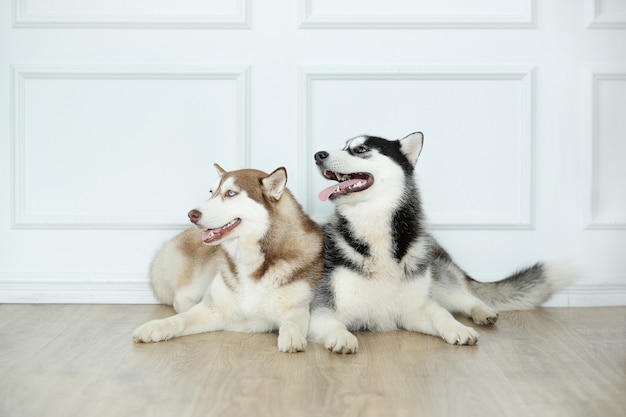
(66, 360)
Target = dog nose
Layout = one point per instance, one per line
(194, 216)
(320, 156)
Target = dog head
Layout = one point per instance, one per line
(368, 165)
(239, 205)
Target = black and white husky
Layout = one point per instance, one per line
(384, 271)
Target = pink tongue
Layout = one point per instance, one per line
(210, 234)
(327, 192)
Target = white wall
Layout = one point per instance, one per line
(113, 112)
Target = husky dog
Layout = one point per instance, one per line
(252, 262)
(384, 271)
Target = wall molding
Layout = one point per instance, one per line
(523, 74)
(593, 76)
(123, 288)
(23, 17)
(308, 19)
(22, 219)
(601, 295)
(597, 18)
(76, 288)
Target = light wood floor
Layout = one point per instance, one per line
(79, 360)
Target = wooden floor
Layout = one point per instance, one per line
(79, 360)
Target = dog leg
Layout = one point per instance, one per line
(468, 305)
(332, 333)
(198, 319)
(292, 331)
(433, 319)
(184, 301)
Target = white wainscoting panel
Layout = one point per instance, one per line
(397, 14)
(184, 14)
(121, 148)
(606, 171)
(112, 113)
(459, 111)
(605, 14)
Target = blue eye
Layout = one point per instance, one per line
(360, 149)
(231, 193)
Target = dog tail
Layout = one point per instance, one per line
(527, 288)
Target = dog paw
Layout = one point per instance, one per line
(484, 316)
(154, 331)
(461, 335)
(342, 342)
(291, 340)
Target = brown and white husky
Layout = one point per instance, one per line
(250, 265)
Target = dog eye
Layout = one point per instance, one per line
(360, 149)
(231, 193)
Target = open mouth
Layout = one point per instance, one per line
(348, 183)
(212, 235)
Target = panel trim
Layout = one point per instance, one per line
(88, 288)
(524, 74)
(121, 288)
(309, 20)
(601, 295)
(22, 18)
(593, 75)
(21, 219)
(595, 18)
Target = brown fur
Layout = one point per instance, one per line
(190, 244)
(282, 244)
(253, 276)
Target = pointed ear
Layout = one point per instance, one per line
(274, 184)
(411, 146)
(220, 171)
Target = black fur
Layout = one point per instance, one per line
(333, 258)
(406, 224)
(391, 148)
(343, 227)
(407, 220)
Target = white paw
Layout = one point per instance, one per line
(342, 341)
(291, 340)
(484, 316)
(460, 335)
(155, 331)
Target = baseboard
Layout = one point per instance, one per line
(76, 289)
(589, 296)
(135, 289)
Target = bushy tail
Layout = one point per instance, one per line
(527, 288)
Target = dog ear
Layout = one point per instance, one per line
(274, 184)
(220, 171)
(411, 146)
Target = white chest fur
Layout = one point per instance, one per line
(376, 302)
(258, 305)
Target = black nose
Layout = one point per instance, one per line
(320, 156)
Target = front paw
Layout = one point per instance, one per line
(291, 340)
(342, 341)
(460, 335)
(155, 331)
